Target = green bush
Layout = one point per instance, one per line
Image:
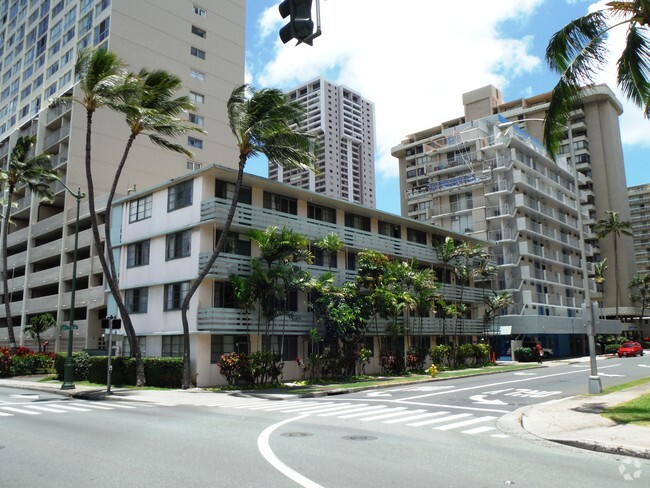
(524, 354)
(391, 362)
(440, 356)
(612, 348)
(159, 372)
(24, 362)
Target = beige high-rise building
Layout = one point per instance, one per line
(344, 125)
(201, 42)
(639, 197)
(485, 176)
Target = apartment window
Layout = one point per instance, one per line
(140, 209)
(178, 245)
(137, 300)
(103, 5)
(85, 5)
(197, 31)
(85, 24)
(225, 344)
(137, 254)
(226, 190)
(197, 75)
(142, 342)
(193, 165)
(280, 203)
(53, 68)
(172, 346)
(65, 79)
(224, 295)
(289, 347)
(388, 229)
(324, 258)
(55, 32)
(197, 97)
(197, 119)
(58, 8)
(235, 243)
(196, 52)
(201, 12)
(101, 31)
(179, 196)
(175, 294)
(324, 214)
(413, 235)
(195, 142)
(357, 221)
(50, 91)
(67, 57)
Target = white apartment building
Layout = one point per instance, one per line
(201, 42)
(162, 250)
(489, 179)
(344, 124)
(639, 197)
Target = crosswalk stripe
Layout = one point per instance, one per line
(289, 408)
(46, 409)
(328, 408)
(437, 421)
(251, 406)
(478, 430)
(70, 408)
(2, 414)
(91, 405)
(464, 423)
(117, 405)
(500, 436)
(414, 417)
(395, 412)
(358, 407)
(283, 405)
(19, 410)
(358, 412)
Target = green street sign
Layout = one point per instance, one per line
(67, 327)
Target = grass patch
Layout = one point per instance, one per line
(625, 386)
(635, 412)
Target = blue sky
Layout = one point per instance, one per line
(415, 58)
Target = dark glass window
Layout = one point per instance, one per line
(137, 300)
(224, 295)
(225, 344)
(357, 221)
(324, 214)
(280, 203)
(140, 209)
(235, 243)
(172, 346)
(179, 245)
(225, 190)
(179, 196)
(174, 294)
(418, 236)
(137, 254)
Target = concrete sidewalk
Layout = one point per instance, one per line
(574, 421)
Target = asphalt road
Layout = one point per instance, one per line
(418, 437)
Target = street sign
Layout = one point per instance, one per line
(67, 327)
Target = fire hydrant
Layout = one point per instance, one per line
(433, 370)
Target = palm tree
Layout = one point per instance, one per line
(613, 225)
(578, 51)
(640, 292)
(331, 244)
(36, 173)
(263, 122)
(150, 109)
(599, 277)
(38, 325)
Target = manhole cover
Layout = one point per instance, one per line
(359, 438)
(296, 434)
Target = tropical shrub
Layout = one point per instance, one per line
(391, 362)
(234, 367)
(524, 354)
(364, 358)
(24, 362)
(440, 356)
(612, 348)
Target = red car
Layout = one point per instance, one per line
(630, 349)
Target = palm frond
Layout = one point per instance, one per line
(170, 146)
(634, 68)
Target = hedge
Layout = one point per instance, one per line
(159, 372)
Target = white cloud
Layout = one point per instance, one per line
(413, 63)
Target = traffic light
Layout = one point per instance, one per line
(301, 25)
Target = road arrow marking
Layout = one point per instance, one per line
(526, 374)
(481, 399)
(644, 366)
(378, 394)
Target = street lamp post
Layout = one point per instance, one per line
(68, 368)
(595, 385)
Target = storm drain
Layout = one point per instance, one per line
(296, 434)
(359, 438)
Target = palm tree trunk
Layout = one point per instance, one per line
(615, 274)
(194, 285)
(5, 272)
(110, 278)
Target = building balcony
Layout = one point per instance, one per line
(57, 112)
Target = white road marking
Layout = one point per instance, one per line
(332, 408)
(464, 423)
(500, 436)
(303, 408)
(18, 410)
(414, 417)
(509, 382)
(478, 430)
(437, 421)
(46, 409)
(71, 408)
(2, 414)
(395, 412)
(483, 401)
(378, 394)
(357, 413)
(269, 455)
(283, 405)
(91, 405)
(117, 405)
